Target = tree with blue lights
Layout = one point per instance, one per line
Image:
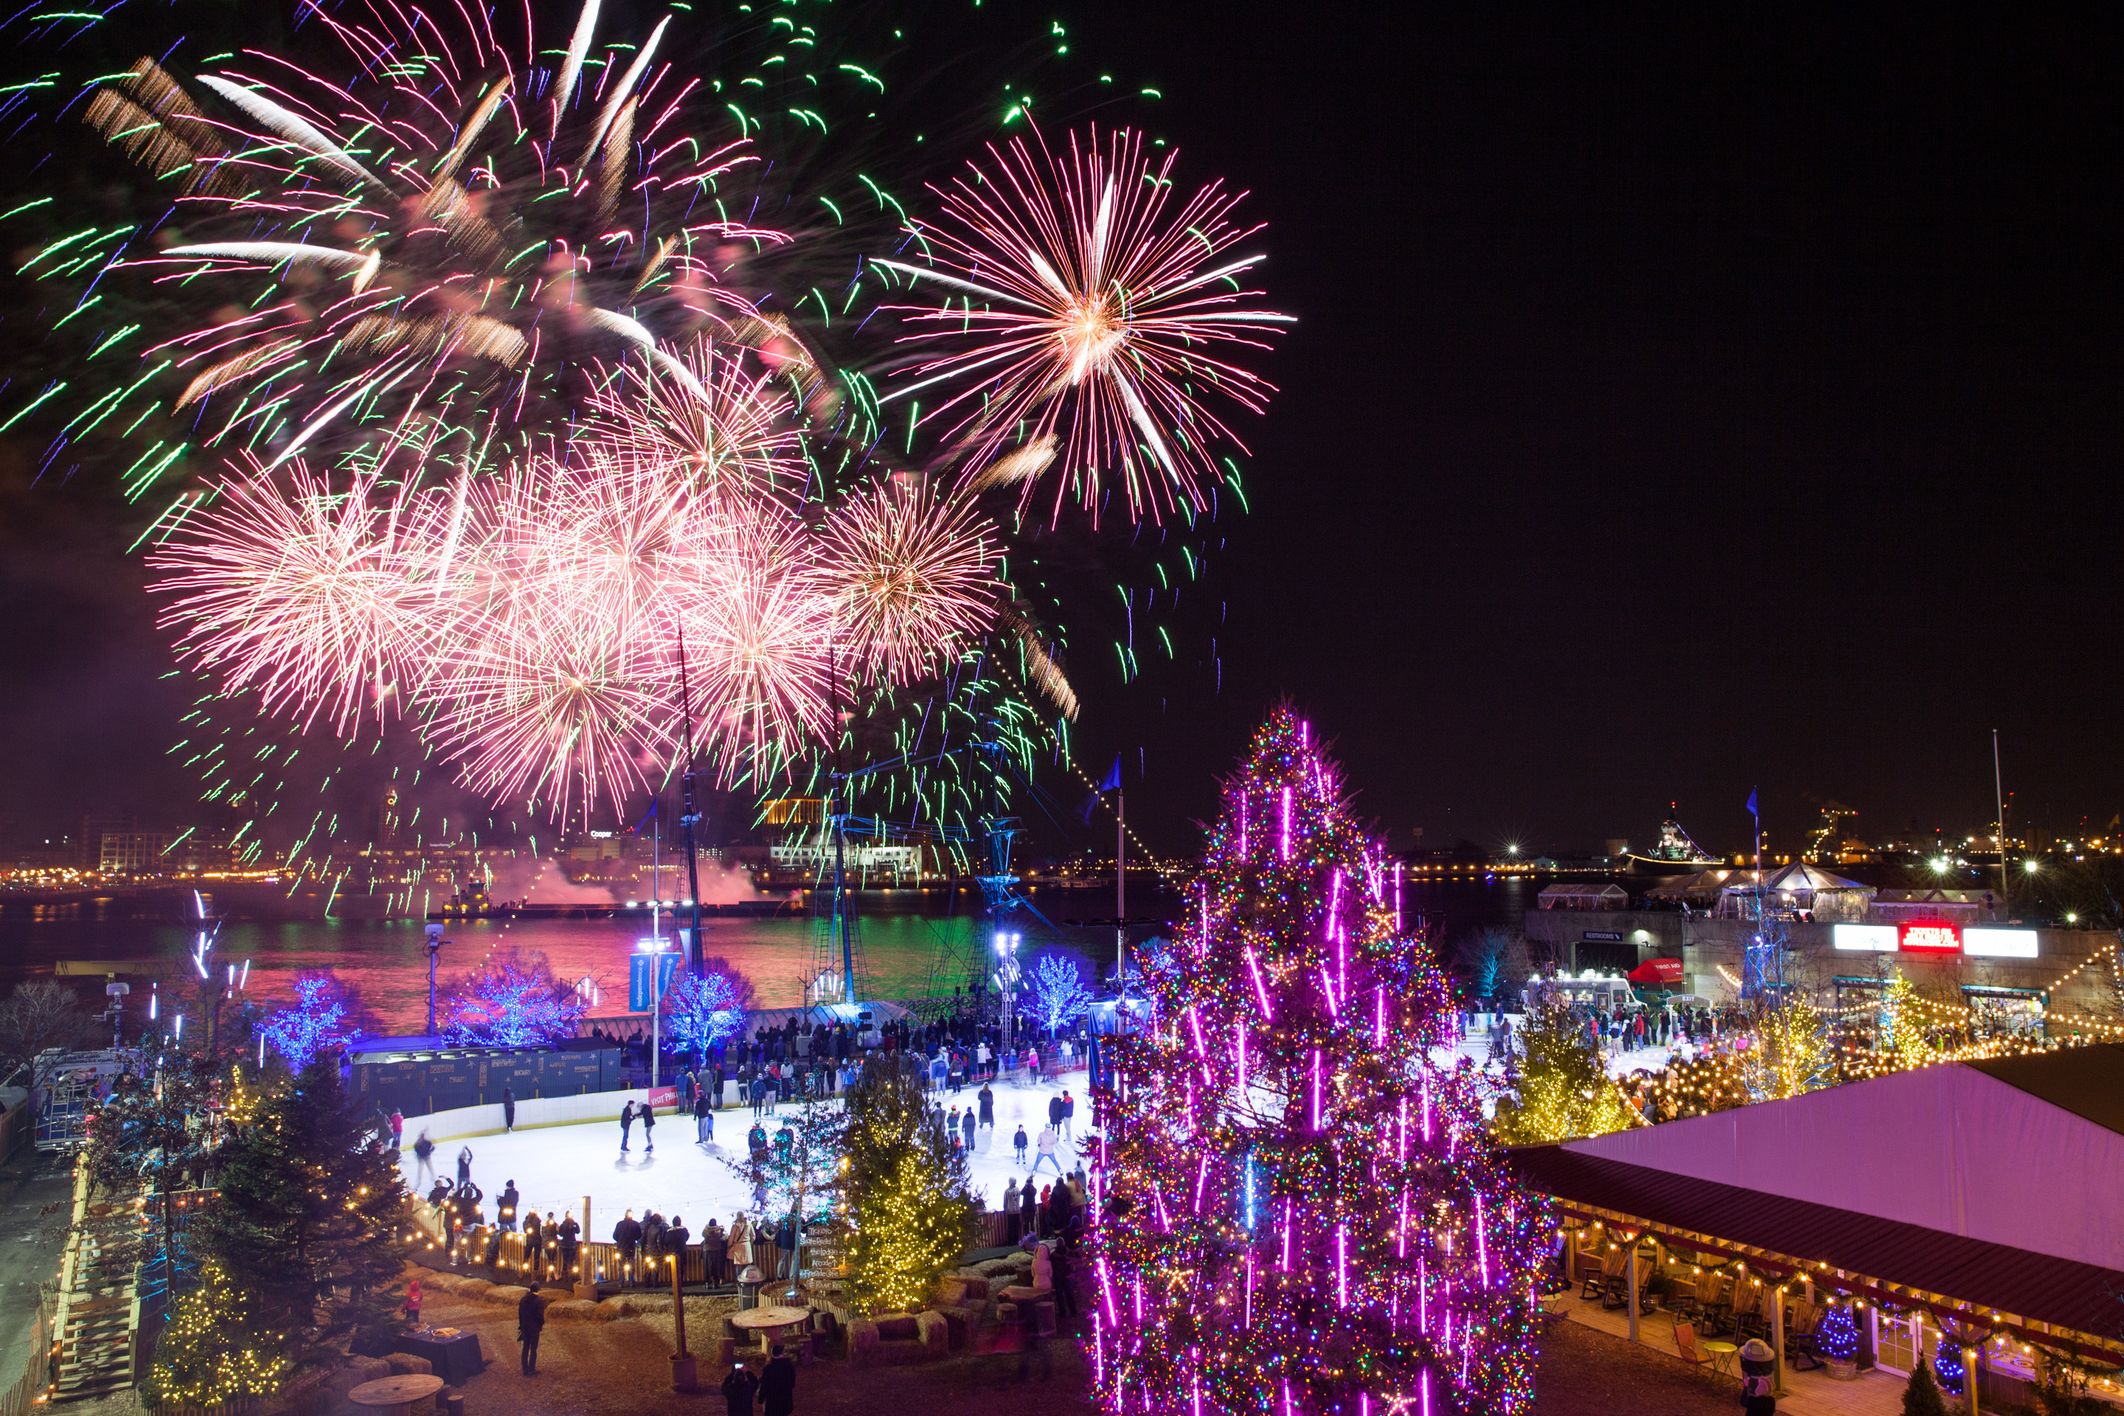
(705, 1005)
(1059, 996)
(513, 999)
(324, 1016)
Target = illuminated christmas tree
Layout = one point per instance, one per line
(707, 1003)
(210, 1353)
(1790, 1052)
(1838, 1337)
(323, 1016)
(908, 1211)
(1306, 1213)
(1562, 1088)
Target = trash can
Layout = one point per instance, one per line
(750, 1280)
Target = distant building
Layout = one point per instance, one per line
(131, 852)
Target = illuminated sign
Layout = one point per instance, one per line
(2000, 943)
(1929, 936)
(1864, 938)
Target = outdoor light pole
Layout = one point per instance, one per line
(435, 947)
(1007, 980)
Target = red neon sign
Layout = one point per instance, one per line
(1929, 936)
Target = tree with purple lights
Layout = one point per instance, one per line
(1307, 1214)
(513, 999)
(706, 1004)
(1059, 996)
(323, 1016)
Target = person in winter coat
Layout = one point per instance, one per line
(648, 1119)
(738, 1390)
(530, 1324)
(534, 1241)
(464, 1166)
(703, 1119)
(778, 1384)
(1069, 1110)
(715, 1251)
(398, 1128)
(1017, 1143)
(1054, 1112)
(627, 1238)
(570, 1241)
(505, 1208)
(508, 1109)
(676, 1237)
(1046, 1146)
(785, 1243)
(626, 1124)
(1010, 1205)
(423, 1158)
(988, 1105)
(966, 1127)
(1028, 1211)
(413, 1302)
(740, 1242)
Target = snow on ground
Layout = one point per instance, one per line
(555, 1166)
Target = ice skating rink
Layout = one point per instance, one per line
(554, 1167)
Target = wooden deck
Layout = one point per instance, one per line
(1810, 1393)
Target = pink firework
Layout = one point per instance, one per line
(551, 678)
(316, 599)
(708, 414)
(911, 575)
(759, 643)
(1085, 302)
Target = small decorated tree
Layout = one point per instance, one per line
(1298, 1209)
(1947, 1366)
(1059, 996)
(324, 1016)
(211, 1351)
(706, 1004)
(1837, 1336)
(908, 1211)
(513, 999)
(1563, 1088)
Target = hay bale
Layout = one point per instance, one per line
(897, 1327)
(935, 1333)
(509, 1293)
(613, 1309)
(864, 1343)
(405, 1364)
(356, 1371)
(475, 1288)
(572, 1310)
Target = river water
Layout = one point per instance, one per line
(386, 962)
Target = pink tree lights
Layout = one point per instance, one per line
(1307, 1215)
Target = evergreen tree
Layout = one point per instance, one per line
(1790, 1052)
(1563, 1087)
(309, 1219)
(908, 1209)
(1306, 1215)
(211, 1351)
(1838, 1337)
(1922, 1396)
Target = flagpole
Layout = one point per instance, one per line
(1120, 884)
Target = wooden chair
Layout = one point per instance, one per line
(1611, 1268)
(1799, 1338)
(1685, 1344)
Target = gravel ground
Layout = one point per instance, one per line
(1589, 1373)
(623, 1368)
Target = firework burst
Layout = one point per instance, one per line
(911, 575)
(317, 599)
(1087, 312)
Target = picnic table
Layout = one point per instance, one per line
(769, 1320)
(396, 1394)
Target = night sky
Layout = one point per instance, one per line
(1684, 399)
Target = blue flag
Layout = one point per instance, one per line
(646, 816)
(1753, 808)
(1113, 776)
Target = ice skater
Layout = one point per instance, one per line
(648, 1115)
(464, 1166)
(1046, 1146)
(423, 1159)
(1018, 1144)
(703, 1119)
(508, 1110)
(626, 1125)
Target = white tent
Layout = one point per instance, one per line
(1584, 896)
(1798, 887)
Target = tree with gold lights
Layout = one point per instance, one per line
(1297, 1208)
(309, 1218)
(907, 1208)
(211, 1352)
(1563, 1089)
(1788, 1054)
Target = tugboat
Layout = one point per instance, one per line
(1676, 853)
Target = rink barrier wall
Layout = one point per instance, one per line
(465, 1122)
